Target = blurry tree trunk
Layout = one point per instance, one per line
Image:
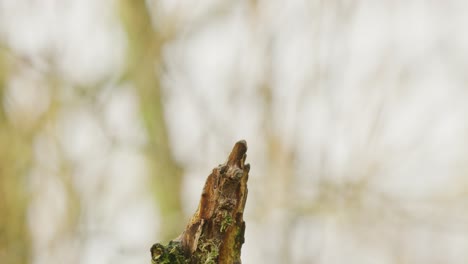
(143, 55)
(15, 157)
(215, 233)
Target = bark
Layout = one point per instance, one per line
(215, 233)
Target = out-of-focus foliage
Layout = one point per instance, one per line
(15, 159)
(355, 114)
(95, 142)
(144, 54)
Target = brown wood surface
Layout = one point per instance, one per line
(215, 233)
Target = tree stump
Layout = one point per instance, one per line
(215, 233)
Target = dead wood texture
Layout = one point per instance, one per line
(215, 233)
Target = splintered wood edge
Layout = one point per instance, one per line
(219, 217)
(238, 153)
(218, 194)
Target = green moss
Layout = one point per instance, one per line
(170, 254)
(208, 252)
(227, 221)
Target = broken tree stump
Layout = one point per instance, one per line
(215, 233)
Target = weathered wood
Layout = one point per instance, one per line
(215, 233)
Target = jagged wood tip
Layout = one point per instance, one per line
(215, 233)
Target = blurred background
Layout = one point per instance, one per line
(114, 112)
